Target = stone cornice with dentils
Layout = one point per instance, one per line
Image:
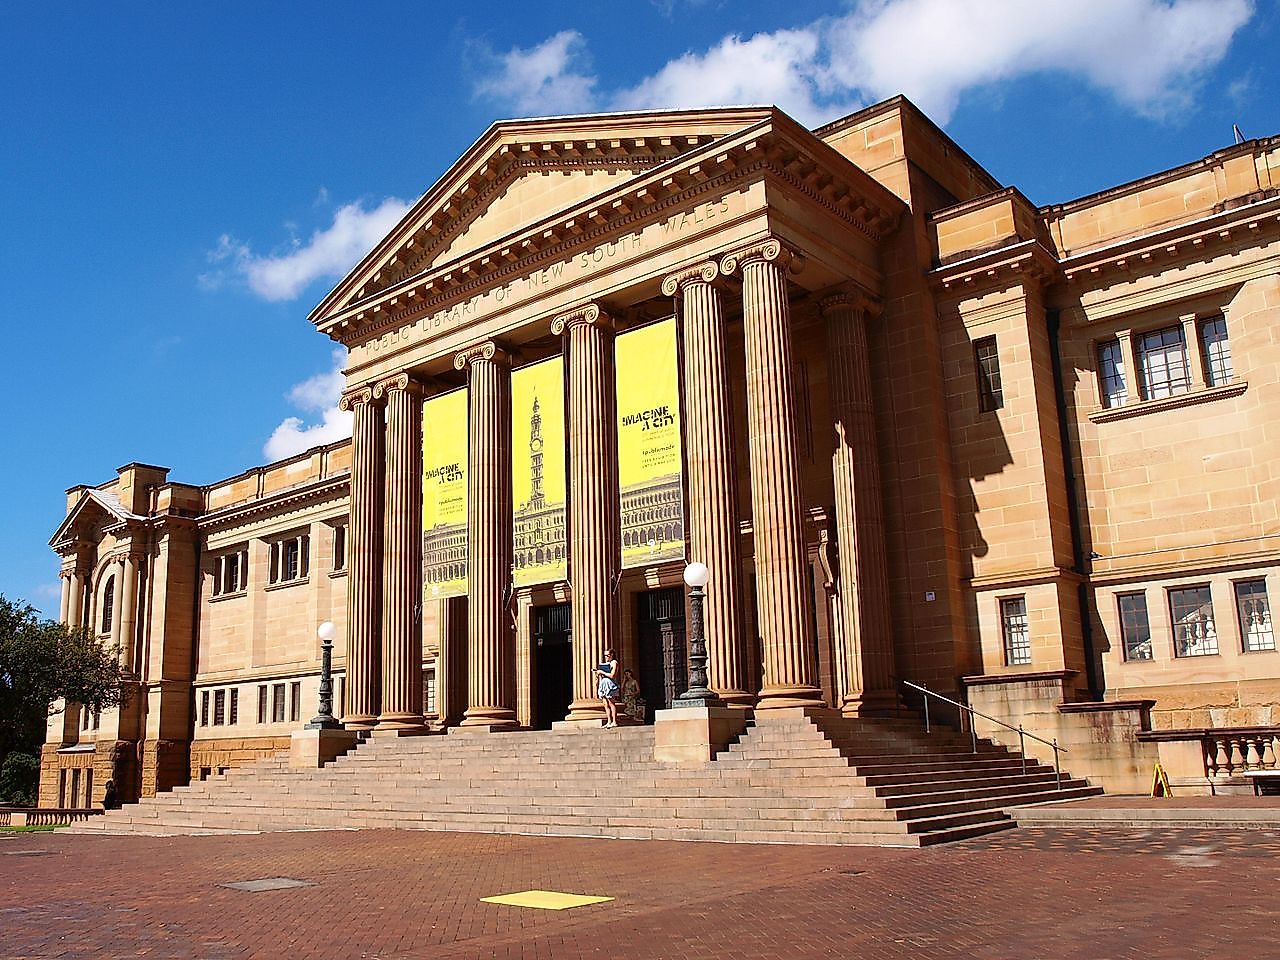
(307, 495)
(760, 149)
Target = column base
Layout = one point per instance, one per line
(738, 699)
(585, 711)
(493, 718)
(359, 721)
(694, 735)
(872, 704)
(401, 721)
(782, 698)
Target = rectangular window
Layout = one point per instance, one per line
(429, 691)
(990, 391)
(62, 789)
(1255, 616)
(277, 703)
(262, 703)
(1162, 356)
(231, 573)
(1017, 635)
(1111, 374)
(295, 700)
(204, 708)
(88, 787)
(1135, 628)
(219, 708)
(290, 559)
(75, 787)
(1191, 611)
(340, 547)
(1216, 350)
(233, 713)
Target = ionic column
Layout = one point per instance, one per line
(782, 585)
(490, 641)
(364, 581)
(595, 554)
(402, 556)
(714, 538)
(127, 613)
(75, 593)
(64, 607)
(864, 584)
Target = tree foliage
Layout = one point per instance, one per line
(43, 662)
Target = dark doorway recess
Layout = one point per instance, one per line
(553, 656)
(664, 665)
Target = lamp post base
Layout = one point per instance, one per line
(694, 735)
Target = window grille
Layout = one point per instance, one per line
(1163, 358)
(204, 708)
(1194, 633)
(1217, 351)
(990, 389)
(233, 711)
(1254, 612)
(1135, 627)
(1017, 634)
(219, 708)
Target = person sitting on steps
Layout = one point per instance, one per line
(607, 689)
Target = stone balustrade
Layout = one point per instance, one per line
(1230, 752)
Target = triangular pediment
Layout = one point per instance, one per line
(520, 172)
(93, 512)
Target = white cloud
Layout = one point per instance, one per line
(539, 80)
(330, 252)
(1148, 54)
(317, 394)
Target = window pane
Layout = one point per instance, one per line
(108, 603)
(219, 707)
(990, 390)
(295, 700)
(1135, 627)
(1191, 610)
(1255, 616)
(1111, 374)
(1017, 636)
(262, 704)
(277, 703)
(290, 571)
(1217, 351)
(234, 712)
(204, 708)
(1163, 358)
(339, 548)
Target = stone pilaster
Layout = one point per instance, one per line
(595, 554)
(364, 581)
(402, 556)
(127, 614)
(865, 626)
(490, 640)
(714, 537)
(783, 615)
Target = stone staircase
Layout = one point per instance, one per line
(790, 778)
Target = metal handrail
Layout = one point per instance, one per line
(973, 733)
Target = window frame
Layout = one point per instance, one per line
(1170, 386)
(1240, 621)
(987, 370)
(1181, 649)
(1113, 396)
(1219, 368)
(1126, 646)
(1017, 650)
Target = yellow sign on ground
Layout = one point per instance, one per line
(650, 464)
(538, 473)
(545, 900)
(444, 495)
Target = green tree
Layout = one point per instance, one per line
(43, 662)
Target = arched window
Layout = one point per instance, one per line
(108, 603)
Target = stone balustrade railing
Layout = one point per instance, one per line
(48, 817)
(1229, 752)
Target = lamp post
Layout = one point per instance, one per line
(698, 694)
(324, 720)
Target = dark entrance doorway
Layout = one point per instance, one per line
(664, 663)
(553, 657)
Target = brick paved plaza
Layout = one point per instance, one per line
(392, 894)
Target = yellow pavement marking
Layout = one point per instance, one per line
(545, 900)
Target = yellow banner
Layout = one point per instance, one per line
(649, 451)
(444, 495)
(538, 473)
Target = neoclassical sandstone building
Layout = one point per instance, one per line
(918, 428)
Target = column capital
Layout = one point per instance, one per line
(401, 381)
(589, 313)
(850, 296)
(705, 272)
(487, 350)
(348, 401)
(768, 250)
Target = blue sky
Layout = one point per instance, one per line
(181, 183)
